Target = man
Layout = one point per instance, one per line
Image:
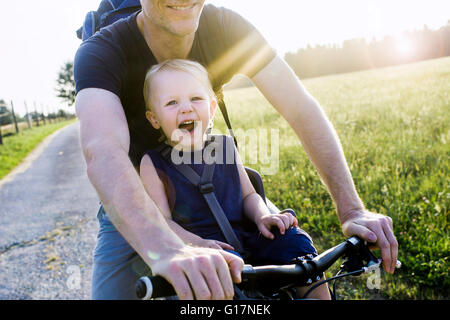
(109, 74)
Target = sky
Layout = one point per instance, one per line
(37, 37)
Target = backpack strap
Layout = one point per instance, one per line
(108, 12)
(223, 109)
(206, 188)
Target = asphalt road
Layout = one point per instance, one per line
(48, 224)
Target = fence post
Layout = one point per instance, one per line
(28, 115)
(43, 115)
(36, 114)
(55, 112)
(1, 135)
(14, 117)
(48, 114)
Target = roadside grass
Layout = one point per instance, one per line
(394, 125)
(16, 147)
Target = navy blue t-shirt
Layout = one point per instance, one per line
(188, 207)
(117, 58)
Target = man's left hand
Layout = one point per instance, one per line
(374, 228)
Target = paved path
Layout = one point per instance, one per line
(48, 223)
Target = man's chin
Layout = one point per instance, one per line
(184, 28)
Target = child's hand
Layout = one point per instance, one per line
(281, 220)
(214, 244)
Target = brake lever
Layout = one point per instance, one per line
(360, 257)
(372, 262)
(372, 266)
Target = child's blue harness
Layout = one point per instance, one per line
(227, 175)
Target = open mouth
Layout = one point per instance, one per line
(188, 125)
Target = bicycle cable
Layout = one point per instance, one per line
(337, 276)
(334, 295)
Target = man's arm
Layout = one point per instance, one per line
(285, 92)
(105, 143)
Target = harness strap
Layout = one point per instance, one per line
(206, 188)
(224, 111)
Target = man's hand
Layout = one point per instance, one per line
(374, 228)
(282, 221)
(200, 273)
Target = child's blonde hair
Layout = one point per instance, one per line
(191, 67)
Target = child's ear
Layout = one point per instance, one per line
(152, 119)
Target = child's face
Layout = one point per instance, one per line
(182, 107)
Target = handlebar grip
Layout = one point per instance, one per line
(153, 287)
(157, 286)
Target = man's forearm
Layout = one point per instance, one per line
(283, 89)
(128, 206)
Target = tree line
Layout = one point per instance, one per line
(351, 55)
(358, 54)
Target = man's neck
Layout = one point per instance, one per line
(163, 44)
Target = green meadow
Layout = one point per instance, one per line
(17, 146)
(394, 125)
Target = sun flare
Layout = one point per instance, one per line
(404, 46)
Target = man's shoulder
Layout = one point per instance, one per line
(214, 28)
(213, 14)
(112, 37)
(210, 9)
(102, 60)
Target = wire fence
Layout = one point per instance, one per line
(36, 115)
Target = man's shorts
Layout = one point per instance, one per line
(117, 266)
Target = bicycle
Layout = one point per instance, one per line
(278, 282)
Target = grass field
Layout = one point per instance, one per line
(394, 125)
(16, 147)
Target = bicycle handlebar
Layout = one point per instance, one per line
(153, 287)
(272, 277)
